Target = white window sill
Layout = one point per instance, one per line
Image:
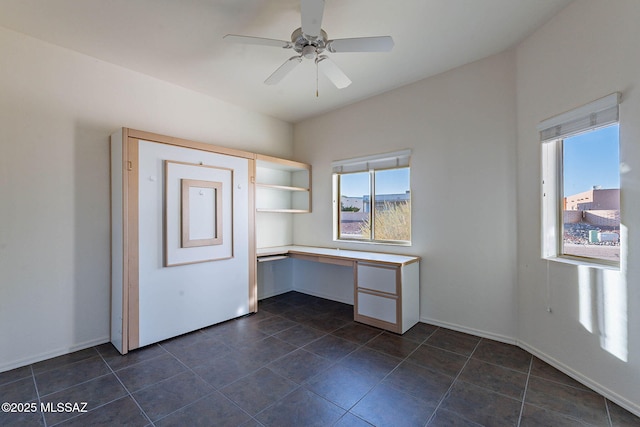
(583, 262)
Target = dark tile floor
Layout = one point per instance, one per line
(302, 361)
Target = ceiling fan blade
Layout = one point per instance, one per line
(258, 41)
(361, 44)
(311, 11)
(283, 70)
(333, 73)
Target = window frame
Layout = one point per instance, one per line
(370, 165)
(552, 163)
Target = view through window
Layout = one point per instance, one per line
(591, 194)
(375, 205)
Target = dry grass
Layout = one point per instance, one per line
(392, 222)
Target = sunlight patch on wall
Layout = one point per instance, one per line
(603, 303)
(585, 297)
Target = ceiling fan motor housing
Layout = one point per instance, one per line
(308, 46)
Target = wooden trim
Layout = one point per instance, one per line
(178, 264)
(310, 191)
(185, 207)
(377, 264)
(322, 259)
(284, 162)
(253, 274)
(132, 257)
(377, 323)
(282, 187)
(356, 316)
(165, 250)
(399, 301)
(125, 243)
(163, 139)
(178, 162)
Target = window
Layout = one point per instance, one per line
(581, 184)
(372, 199)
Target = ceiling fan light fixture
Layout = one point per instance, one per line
(309, 51)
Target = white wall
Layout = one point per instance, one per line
(57, 110)
(274, 278)
(461, 126)
(588, 50)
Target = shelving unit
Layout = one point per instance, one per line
(282, 186)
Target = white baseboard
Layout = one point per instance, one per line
(324, 296)
(598, 388)
(273, 294)
(50, 354)
(477, 332)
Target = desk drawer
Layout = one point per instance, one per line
(324, 259)
(381, 278)
(377, 307)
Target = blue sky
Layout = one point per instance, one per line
(592, 158)
(392, 181)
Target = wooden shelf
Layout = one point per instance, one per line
(282, 186)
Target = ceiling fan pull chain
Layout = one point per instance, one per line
(317, 89)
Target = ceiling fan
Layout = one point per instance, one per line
(310, 41)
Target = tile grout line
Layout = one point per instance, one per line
(302, 384)
(35, 384)
(126, 388)
(333, 363)
(215, 390)
(606, 407)
(97, 407)
(524, 395)
(64, 365)
(75, 385)
(448, 392)
(60, 367)
(390, 372)
(218, 390)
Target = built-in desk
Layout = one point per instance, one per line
(386, 286)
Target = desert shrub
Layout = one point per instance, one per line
(392, 222)
(344, 208)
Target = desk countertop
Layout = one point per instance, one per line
(339, 253)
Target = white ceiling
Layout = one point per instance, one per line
(180, 41)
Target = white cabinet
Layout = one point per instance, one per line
(282, 185)
(387, 295)
(154, 299)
